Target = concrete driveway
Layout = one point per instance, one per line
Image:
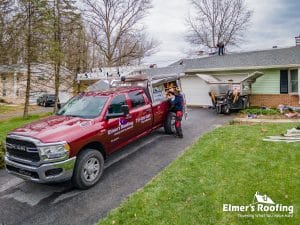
(126, 171)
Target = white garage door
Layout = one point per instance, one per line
(196, 91)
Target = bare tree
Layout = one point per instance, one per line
(6, 28)
(117, 31)
(30, 21)
(217, 21)
(65, 20)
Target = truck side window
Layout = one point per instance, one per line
(137, 99)
(116, 103)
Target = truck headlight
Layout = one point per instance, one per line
(54, 151)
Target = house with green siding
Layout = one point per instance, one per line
(277, 85)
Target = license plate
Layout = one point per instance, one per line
(24, 172)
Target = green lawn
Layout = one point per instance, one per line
(226, 166)
(9, 125)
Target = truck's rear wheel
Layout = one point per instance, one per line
(169, 124)
(88, 169)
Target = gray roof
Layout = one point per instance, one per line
(169, 70)
(264, 59)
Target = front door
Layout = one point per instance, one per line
(120, 129)
(141, 112)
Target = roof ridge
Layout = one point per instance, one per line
(235, 53)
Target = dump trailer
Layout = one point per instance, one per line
(230, 95)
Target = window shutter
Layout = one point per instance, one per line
(284, 82)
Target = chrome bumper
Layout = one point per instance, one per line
(50, 172)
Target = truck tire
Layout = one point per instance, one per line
(169, 123)
(88, 169)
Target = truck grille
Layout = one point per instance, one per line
(22, 149)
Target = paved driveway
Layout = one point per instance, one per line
(126, 171)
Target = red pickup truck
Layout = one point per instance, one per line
(74, 143)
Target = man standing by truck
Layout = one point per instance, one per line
(177, 102)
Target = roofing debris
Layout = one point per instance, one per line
(292, 135)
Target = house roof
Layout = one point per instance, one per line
(272, 58)
(165, 71)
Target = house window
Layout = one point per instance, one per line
(3, 77)
(4, 92)
(284, 82)
(294, 80)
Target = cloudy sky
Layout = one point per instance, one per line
(274, 22)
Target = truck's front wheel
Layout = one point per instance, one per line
(88, 169)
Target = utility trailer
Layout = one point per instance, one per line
(230, 95)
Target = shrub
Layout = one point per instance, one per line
(261, 111)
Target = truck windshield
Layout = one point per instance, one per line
(83, 106)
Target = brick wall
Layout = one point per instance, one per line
(273, 100)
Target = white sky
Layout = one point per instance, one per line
(274, 22)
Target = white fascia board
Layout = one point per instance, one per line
(241, 68)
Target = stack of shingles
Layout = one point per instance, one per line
(292, 135)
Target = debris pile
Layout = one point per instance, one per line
(292, 135)
(289, 111)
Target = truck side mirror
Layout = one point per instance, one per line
(125, 109)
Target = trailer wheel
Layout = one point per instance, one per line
(169, 123)
(218, 109)
(246, 102)
(88, 169)
(226, 109)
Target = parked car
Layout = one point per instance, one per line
(74, 143)
(46, 100)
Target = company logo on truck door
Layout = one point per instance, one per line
(123, 126)
(143, 119)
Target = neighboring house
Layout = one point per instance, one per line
(278, 85)
(13, 82)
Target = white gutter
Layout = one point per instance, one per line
(242, 68)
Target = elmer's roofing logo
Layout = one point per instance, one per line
(262, 199)
(122, 121)
(261, 204)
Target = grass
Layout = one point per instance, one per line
(8, 125)
(226, 166)
(7, 109)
